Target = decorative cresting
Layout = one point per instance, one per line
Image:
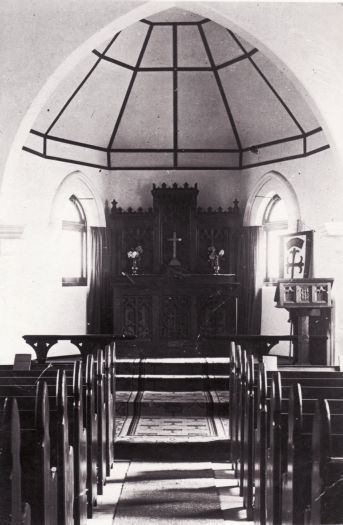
(174, 232)
(176, 91)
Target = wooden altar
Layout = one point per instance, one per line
(175, 298)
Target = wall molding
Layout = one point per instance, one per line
(11, 231)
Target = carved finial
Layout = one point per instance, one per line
(114, 205)
(175, 185)
(129, 210)
(164, 185)
(236, 202)
(140, 209)
(186, 185)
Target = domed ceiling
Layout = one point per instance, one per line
(176, 91)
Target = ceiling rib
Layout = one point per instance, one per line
(76, 91)
(175, 96)
(127, 95)
(221, 89)
(282, 102)
(179, 68)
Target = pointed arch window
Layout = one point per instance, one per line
(275, 223)
(74, 244)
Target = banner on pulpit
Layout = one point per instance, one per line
(296, 255)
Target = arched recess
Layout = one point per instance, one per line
(78, 184)
(271, 184)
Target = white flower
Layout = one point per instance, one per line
(136, 253)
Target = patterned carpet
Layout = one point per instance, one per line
(171, 416)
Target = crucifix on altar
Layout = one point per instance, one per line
(174, 240)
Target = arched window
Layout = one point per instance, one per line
(74, 244)
(275, 223)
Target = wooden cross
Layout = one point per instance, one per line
(174, 240)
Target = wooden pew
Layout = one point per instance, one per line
(278, 416)
(296, 481)
(39, 480)
(242, 405)
(98, 399)
(109, 396)
(62, 452)
(94, 415)
(92, 436)
(77, 430)
(327, 466)
(313, 387)
(103, 377)
(234, 402)
(251, 436)
(247, 460)
(12, 509)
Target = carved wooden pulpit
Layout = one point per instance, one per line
(175, 298)
(306, 300)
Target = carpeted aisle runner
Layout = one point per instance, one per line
(169, 493)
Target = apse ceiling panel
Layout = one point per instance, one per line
(139, 160)
(72, 152)
(202, 118)
(259, 115)
(59, 97)
(175, 14)
(315, 141)
(147, 120)
(209, 160)
(90, 115)
(223, 46)
(288, 92)
(127, 46)
(190, 48)
(159, 51)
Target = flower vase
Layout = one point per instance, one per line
(134, 268)
(216, 266)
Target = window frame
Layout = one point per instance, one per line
(268, 227)
(77, 226)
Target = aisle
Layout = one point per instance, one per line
(172, 449)
(140, 492)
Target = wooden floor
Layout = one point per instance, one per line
(223, 483)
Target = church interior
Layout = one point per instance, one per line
(171, 247)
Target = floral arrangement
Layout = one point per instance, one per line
(136, 253)
(214, 255)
